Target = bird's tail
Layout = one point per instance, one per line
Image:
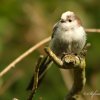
(45, 64)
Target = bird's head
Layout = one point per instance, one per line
(69, 20)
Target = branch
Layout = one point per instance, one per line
(43, 67)
(21, 57)
(36, 76)
(78, 65)
(53, 56)
(93, 30)
(67, 61)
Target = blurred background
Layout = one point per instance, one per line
(23, 23)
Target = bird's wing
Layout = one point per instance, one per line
(54, 29)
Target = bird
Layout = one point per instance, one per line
(68, 37)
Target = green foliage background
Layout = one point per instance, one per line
(25, 22)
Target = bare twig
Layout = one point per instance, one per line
(21, 57)
(35, 84)
(35, 81)
(78, 65)
(93, 30)
(52, 55)
(43, 67)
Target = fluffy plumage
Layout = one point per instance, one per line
(68, 35)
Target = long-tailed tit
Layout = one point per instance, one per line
(68, 37)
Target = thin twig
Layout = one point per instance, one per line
(92, 30)
(35, 84)
(43, 67)
(52, 55)
(37, 76)
(78, 65)
(21, 57)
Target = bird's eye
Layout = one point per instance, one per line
(70, 20)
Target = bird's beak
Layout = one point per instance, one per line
(62, 21)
